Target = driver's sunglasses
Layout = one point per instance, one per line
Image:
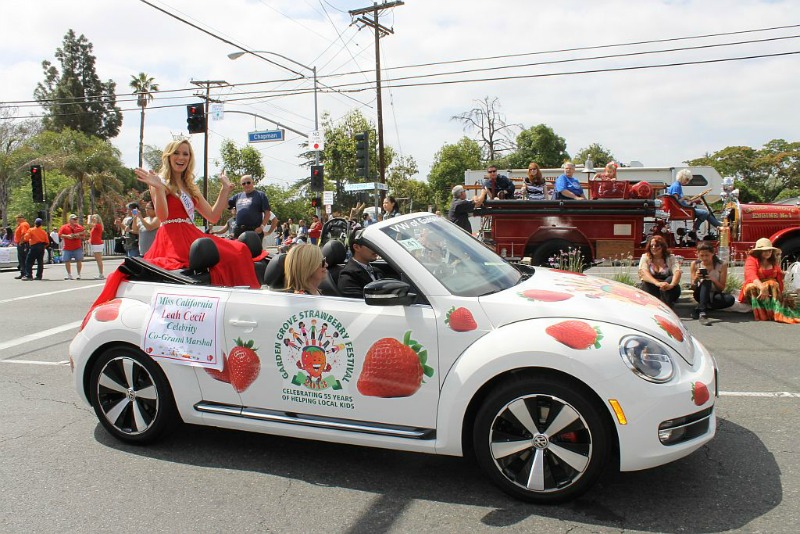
(491, 172)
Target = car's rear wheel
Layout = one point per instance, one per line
(541, 440)
(131, 396)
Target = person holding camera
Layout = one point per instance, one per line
(709, 276)
(130, 231)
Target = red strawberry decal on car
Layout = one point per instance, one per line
(460, 320)
(108, 311)
(577, 335)
(673, 330)
(544, 295)
(699, 393)
(393, 369)
(222, 376)
(243, 365)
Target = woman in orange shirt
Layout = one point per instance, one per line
(763, 285)
(96, 241)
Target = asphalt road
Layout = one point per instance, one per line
(61, 472)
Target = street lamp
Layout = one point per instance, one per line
(237, 55)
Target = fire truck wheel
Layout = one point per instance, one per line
(790, 251)
(552, 249)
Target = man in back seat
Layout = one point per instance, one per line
(358, 272)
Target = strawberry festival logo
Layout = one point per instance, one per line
(313, 351)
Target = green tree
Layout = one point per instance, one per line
(339, 156)
(74, 97)
(448, 167)
(760, 174)
(14, 158)
(597, 152)
(143, 87)
(152, 156)
(240, 161)
(539, 144)
(91, 163)
(411, 194)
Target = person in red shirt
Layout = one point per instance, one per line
(315, 230)
(72, 236)
(37, 240)
(22, 246)
(96, 241)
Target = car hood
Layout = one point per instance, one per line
(562, 294)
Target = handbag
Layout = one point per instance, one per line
(119, 246)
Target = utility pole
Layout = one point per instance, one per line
(207, 97)
(380, 31)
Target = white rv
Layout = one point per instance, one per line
(703, 177)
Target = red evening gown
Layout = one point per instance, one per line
(170, 250)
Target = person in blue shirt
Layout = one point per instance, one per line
(497, 185)
(567, 187)
(701, 215)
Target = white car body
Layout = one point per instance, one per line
(510, 337)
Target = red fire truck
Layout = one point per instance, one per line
(607, 228)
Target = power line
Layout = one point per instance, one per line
(573, 73)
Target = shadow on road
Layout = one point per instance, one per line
(723, 486)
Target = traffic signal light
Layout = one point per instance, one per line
(362, 154)
(196, 118)
(316, 202)
(317, 174)
(36, 183)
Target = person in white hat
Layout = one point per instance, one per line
(460, 208)
(763, 284)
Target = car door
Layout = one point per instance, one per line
(334, 357)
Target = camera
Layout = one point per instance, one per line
(702, 272)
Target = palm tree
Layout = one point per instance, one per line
(143, 87)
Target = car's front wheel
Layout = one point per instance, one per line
(541, 440)
(131, 396)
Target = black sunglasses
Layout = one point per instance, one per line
(246, 183)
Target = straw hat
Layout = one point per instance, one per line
(763, 244)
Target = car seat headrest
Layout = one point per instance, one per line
(253, 242)
(203, 254)
(334, 252)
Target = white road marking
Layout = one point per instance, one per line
(770, 394)
(34, 362)
(37, 295)
(39, 335)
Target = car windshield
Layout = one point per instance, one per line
(462, 264)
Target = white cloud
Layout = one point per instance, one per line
(658, 116)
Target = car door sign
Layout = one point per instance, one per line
(314, 353)
(184, 329)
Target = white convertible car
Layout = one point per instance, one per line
(546, 377)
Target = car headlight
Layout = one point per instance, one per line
(647, 358)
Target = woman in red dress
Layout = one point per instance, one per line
(763, 285)
(176, 196)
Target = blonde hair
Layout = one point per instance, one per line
(187, 178)
(96, 219)
(301, 263)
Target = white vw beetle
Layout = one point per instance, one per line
(546, 377)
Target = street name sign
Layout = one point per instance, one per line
(266, 135)
(366, 186)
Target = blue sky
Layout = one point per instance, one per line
(657, 116)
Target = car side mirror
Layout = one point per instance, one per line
(388, 293)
